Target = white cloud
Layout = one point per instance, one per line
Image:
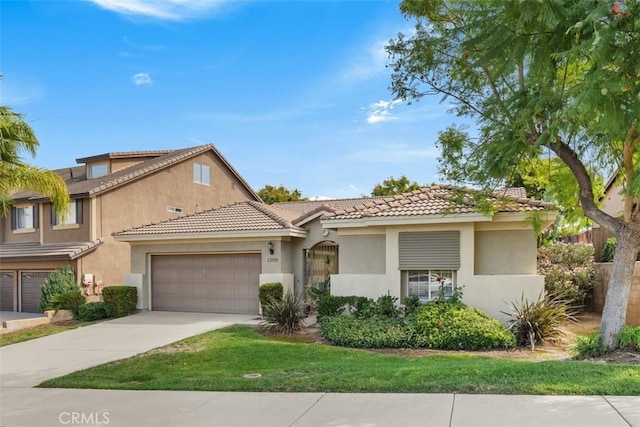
(381, 111)
(142, 79)
(316, 198)
(370, 63)
(173, 10)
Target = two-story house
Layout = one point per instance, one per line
(109, 192)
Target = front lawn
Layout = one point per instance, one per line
(39, 331)
(217, 361)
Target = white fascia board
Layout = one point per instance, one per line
(407, 220)
(548, 216)
(311, 218)
(212, 236)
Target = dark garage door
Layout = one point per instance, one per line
(7, 291)
(30, 282)
(225, 283)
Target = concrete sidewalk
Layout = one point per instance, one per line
(56, 407)
(29, 363)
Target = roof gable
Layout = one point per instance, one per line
(249, 216)
(78, 185)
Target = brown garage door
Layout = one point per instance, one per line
(30, 282)
(206, 283)
(7, 291)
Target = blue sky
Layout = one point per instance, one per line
(291, 92)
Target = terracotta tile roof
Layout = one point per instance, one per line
(432, 200)
(79, 185)
(517, 192)
(307, 206)
(123, 154)
(48, 251)
(237, 217)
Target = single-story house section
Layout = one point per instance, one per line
(419, 244)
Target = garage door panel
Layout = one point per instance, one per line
(208, 283)
(7, 291)
(30, 290)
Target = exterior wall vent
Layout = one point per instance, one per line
(174, 209)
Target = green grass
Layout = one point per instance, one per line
(37, 332)
(218, 360)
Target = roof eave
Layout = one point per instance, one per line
(211, 236)
(404, 220)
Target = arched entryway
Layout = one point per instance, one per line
(321, 261)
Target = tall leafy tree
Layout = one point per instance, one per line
(16, 137)
(270, 194)
(557, 75)
(391, 186)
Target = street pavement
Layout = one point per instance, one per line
(24, 365)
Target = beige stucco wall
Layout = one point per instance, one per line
(66, 233)
(144, 201)
(612, 202)
(362, 254)
(488, 292)
(505, 252)
(7, 235)
(315, 235)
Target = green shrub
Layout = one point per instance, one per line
(630, 338)
(268, 291)
(411, 305)
(120, 300)
(385, 306)
(333, 305)
(59, 282)
(534, 322)
(70, 300)
(455, 326)
(569, 271)
(319, 289)
(609, 250)
(589, 346)
(92, 311)
(375, 332)
(283, 315)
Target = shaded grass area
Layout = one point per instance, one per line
(218, 360)
(39, 331)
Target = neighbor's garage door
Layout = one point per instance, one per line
(206, 283)
(30, 283)
(6, 291)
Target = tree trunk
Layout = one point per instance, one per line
(614, 312)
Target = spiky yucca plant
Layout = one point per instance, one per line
(283, 315)
(534, 322)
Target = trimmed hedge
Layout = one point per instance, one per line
(332, 305)
(441, 325)
(270, 291)
(455, 326)
(69, 300)
(93, 311)
(120, 300)
(377, 332)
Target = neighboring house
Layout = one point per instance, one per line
(613, 204)
(413, 244)
(109, 192)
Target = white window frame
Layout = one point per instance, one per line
(174, 209)
(428, 289)
(24, 221)
(202, 174)
(104, 170)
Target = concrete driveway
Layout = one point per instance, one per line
(29, 363)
